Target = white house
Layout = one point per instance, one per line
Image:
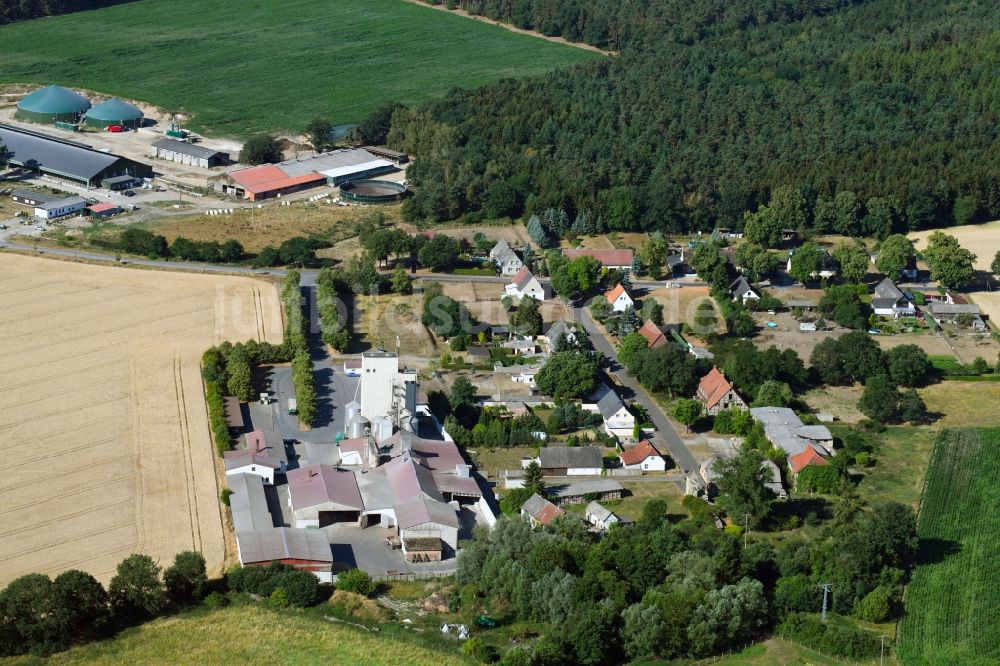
(507, 261)
(618, 299)
(525, 285)
(889, 301)
(247, 462)
(643, 456)
(50, 210)
(618, 420)
(741, 290)
(600, 517)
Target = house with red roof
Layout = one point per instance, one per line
(618, 299)
(643, 456)
(808, 457)
(716, 393)
(540, 511)
(610, 259)
(655, 337)
(525, 285)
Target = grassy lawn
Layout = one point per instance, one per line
(963, 404)
(950, 609)
(271, 66)
(901, 463)
(247, 634)
(492, 461)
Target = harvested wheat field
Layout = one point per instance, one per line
(104, 421)
(981, 239)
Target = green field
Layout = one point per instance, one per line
(245, 67)
(253, 635)
(952, 604)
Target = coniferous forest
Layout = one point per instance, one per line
(710, 105)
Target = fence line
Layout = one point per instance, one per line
(411, 576)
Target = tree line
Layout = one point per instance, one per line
(705, 121)
(40, 615)
(21, 10)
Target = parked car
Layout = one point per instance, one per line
(128, 193)
(116, 128)
(39, 227)
(3, 226)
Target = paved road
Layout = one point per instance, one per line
(665, 433)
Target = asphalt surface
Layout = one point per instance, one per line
(665, 433)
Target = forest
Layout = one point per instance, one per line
(710, 106)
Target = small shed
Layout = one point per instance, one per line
(601, 517)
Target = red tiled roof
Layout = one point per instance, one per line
(268, 177)
(103, 207)
(638, 453)
(713, 387)
(613, 295)
(810, 456)
(606, 257)
(654, 336)
(522, 274)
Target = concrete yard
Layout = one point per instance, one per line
(104, 418)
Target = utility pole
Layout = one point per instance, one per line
(826, 591)
(881, 654)
(746, 529)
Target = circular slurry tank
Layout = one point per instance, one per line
(114, 112)
(52, 104)
(372, 191)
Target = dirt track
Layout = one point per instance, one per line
(103, 418)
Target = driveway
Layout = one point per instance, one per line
(665, 433)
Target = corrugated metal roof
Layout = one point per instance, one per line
(423, 511)
(283, 543)
(52, 154)
(248, 502)
(570, 456)
(185, 148)
(268, 177)
(333, 160)
(316, 485)
(62, 203)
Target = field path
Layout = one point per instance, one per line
(512, 28)
(104, 419)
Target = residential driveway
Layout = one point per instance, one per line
(665, 433)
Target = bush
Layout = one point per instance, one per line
(357, 581)
(299, 588)
(215, 600)
(877, 605)
(479, 650)
(820, 479)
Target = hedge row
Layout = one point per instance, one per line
(330, 291)
(295, 339)
(837, 639)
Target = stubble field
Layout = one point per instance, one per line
(104, 423)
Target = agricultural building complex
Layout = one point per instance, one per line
(53, 104)
(114, 112)
(274, 180)
(66, 160)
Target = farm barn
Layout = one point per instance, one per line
(114, 112)
(50, 105)
(183, 152)
(274, 180)
(307, 550)
(66, 160)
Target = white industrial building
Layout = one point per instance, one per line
(50, 210)
(183, 152)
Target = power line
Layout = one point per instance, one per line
(826, 591)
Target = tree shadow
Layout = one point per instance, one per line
(932, 551)
(323, 381)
